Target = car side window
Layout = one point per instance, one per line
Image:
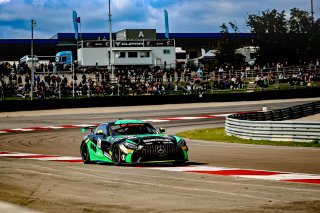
(103, 128)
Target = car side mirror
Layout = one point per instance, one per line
(162, 129)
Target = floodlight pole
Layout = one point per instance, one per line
(33, 24)
(110, 40)
(72, 67)
(312, 13)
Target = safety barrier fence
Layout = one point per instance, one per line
(275, 125)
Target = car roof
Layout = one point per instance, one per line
(126, 121)
(129, 122)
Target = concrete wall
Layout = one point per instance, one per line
(18, 105)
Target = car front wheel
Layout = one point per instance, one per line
(116, 155)
(85, 153)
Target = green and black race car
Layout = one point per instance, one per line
(132, 141)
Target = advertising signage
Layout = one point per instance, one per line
(159, 43)
(130, 43)
(136, 34)
(93, 44)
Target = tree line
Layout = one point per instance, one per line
(294, 39)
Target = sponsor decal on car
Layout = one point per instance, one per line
(99, 143)
(123, 157)
(156, 139)
(168, 142)
(107, 155)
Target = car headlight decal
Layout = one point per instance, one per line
(124, 149)
(130, 146)
(182, 143)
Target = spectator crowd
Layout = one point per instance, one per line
(51, 82)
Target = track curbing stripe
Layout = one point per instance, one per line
(83, 125)
(208, 170)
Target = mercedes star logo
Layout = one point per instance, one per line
(160, 149)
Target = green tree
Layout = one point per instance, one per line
(227, 45)
(269, 28)
(286, 40)
(300, 29)
(300, 21)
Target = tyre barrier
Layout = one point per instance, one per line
(275, 125)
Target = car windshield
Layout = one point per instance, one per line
(132, 129)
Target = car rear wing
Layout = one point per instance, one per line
(83, 129)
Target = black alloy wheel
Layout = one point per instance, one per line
(116, 155)
(85, 153)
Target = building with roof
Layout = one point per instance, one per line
(14, 49)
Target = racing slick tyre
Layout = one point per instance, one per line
(85, 154)
(116, 155)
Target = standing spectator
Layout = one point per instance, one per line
(19, 80)
(200, 73)
(27, 78)
(75, 78)
(97, 76)
(1, 78)
(178, 75)
(84, 78)
(37, 80)
(50, 67)
(14, 67)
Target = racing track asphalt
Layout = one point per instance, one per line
(75, 187)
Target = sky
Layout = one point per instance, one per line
(185, 16)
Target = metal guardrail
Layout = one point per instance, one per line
(274, 125)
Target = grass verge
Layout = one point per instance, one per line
(218, 135)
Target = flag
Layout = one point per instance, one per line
(166, 21)
(75, 20)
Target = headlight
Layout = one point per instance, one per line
(130, 145)
(182, 143)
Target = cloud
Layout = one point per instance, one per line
(4, 1)
(191, 16)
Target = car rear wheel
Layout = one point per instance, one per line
(116, 155)
(85, 154)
